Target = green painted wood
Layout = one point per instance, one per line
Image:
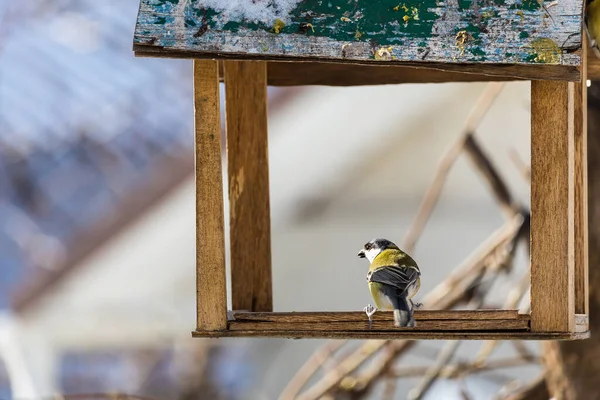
(521, 32)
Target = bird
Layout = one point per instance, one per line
(592, 24)
(394, 278)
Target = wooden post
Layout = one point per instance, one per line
(248, 170)
(552, 206)
(211, 289)
(581, 188)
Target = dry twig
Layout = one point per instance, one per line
(432, 196)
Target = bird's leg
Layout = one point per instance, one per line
(415, 305)
(370, 310)
(411, 322)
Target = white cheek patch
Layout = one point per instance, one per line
(371, 254)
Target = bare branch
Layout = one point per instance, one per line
(390, 389)
(491, 175)
(523, 168)
(462, 368)
(479, 110)
(310, 367)
(513, 298)
(434, 372)
(535, 390)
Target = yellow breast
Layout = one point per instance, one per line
(381, 301)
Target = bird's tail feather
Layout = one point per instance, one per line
(403, 313)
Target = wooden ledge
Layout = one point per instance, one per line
(413, 335)
(431, 324)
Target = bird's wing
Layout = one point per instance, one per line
(398, 276)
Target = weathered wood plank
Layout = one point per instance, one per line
(593, 66)
(511, 32)
(248, 170)
(288, 73)
(338, 74)
(405, 334)
(211, 290)
(345, 316)
(581, 192)
(379, 325)
(552, 206)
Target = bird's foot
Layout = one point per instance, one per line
(370, 310)
(417, 305)
(411, 322)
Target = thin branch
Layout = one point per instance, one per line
(523, 168)
(389, 390)
(479, 110)
(450, 349)
(536, 390)
(513, 299)
(523, 351)
(433, 372)
(491, 175)
(310, 367)
(451, 371)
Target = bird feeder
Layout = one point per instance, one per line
(363, 42)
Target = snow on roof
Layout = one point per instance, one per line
(265, 11)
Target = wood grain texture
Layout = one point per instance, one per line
(592, 64)
(248, 170)
(499, 33)
(337, 74)
(468, 72)
(385, 316)
(211, 289)
(552, 207)
(388, 325)
(581, 191)
(292, 334)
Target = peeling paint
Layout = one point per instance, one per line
(545, 51)
(502, 31)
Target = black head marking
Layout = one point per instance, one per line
(380, 243)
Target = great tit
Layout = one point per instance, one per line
(394, 278)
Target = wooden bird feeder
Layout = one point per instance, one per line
(362, 42)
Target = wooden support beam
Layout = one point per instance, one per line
(592, 63)
(434, 320)
(581, 192)
(290, 333)
(248, 169)
(211, 289)
(552, 207)
(335, 74)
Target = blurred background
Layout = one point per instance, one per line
(97, 275)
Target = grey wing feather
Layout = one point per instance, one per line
(399, 277)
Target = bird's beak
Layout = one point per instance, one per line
(361, 254)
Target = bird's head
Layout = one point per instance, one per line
(374, 247)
